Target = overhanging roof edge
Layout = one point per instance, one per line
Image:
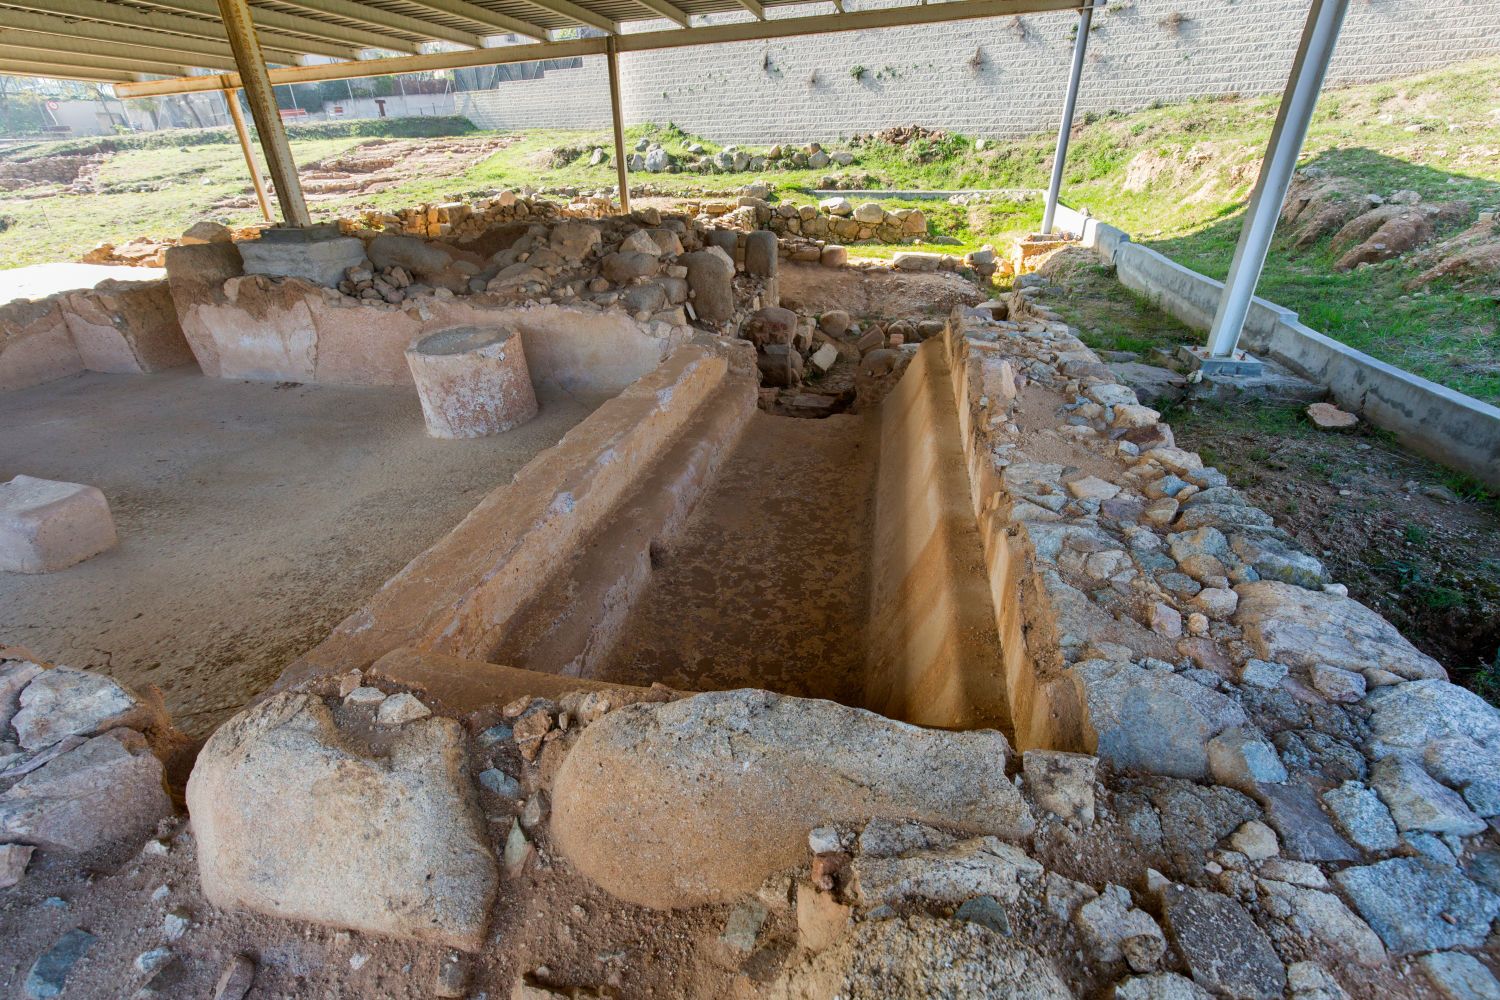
(885, 17)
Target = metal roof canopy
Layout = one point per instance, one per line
(144, 38)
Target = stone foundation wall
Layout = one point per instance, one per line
(122, 327)
(1151, 616)
(458, 597)
(931, 647)
(257, 327)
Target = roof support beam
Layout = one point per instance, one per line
(196, 49)
(646, 41)
(254, 78)
(1310, 66)
(670, 11)
(55, 71)
(191, 27)
(580, 14)
(394, 22)
(754, 7)
(617, 119)
(36, 43)
(83, 61)
(232, 102)
(489, 18)
(1065, 130)
(322, 30)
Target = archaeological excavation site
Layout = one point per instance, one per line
(618, 593)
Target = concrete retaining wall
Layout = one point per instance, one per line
(998, 77)
(1432, 420)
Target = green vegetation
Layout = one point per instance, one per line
(1175, 177)
(403, 128)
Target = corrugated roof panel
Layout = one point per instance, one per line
(332, 20)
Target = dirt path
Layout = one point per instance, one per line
(252, 518)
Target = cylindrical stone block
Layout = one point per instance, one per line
(473, 381)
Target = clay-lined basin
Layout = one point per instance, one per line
(834, 558)
(679, 535)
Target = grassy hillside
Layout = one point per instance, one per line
(1176, 177)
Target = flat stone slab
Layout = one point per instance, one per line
(1416, 904)
(47, 525)
(1223, 948)
(322, 262)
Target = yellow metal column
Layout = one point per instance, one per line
(233, 100)
(611, 56)
(257, 84)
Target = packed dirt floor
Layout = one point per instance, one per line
(252, 518)
(769, 587)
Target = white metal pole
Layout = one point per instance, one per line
(1085, 19)
(1324, 19)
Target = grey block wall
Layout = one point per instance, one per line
(997, 77)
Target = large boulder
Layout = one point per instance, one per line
(701, 800)
(297, 819)
(574, 240)
(430, 263)
(917, 958)
(1304, 628)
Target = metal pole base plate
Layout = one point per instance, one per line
(1239, 363)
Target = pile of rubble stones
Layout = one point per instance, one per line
(654, 267)
(81, 762)
(654, 158)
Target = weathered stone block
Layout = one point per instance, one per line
(298, 820)
(46, 525)
(322, 262)
(35, 345)
(106, 790)
(761, 254)
(1416, 904)
(126, 327)
(1153, 721)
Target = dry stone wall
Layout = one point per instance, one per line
(1152, 616)
(998, 77)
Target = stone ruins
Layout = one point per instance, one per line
(867, 638)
